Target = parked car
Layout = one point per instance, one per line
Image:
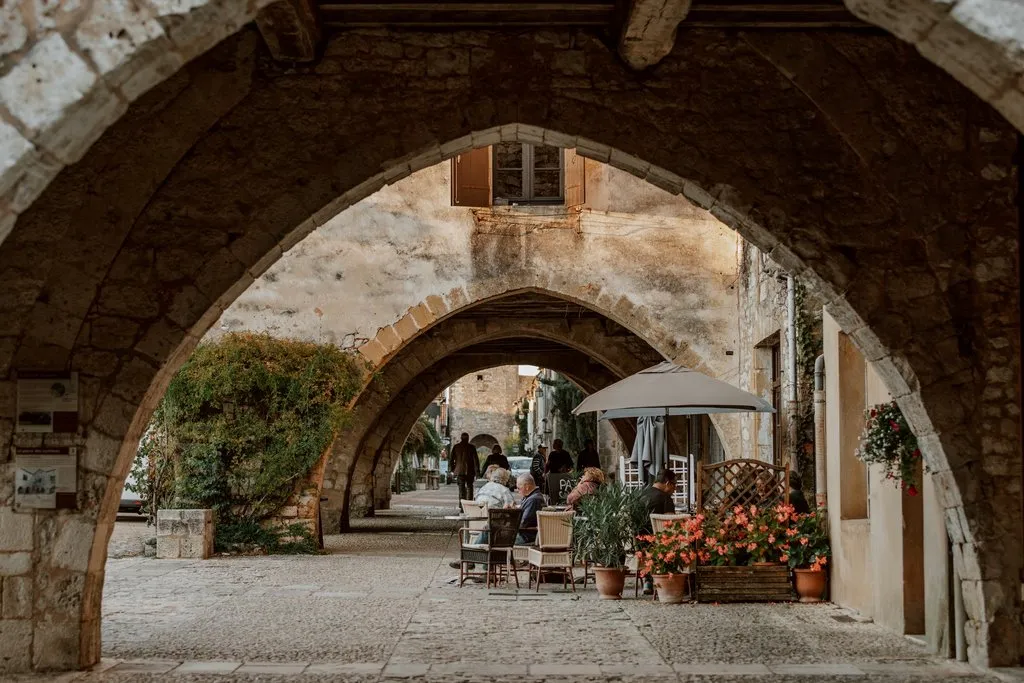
(131, 502)
(519, 465)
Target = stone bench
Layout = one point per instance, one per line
(184, 534)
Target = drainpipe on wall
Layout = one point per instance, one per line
(791, 331)
(820, 489)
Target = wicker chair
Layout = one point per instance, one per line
(554, 547)
(496, 553)
(662, 522)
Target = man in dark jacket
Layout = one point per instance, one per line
(465, 466)
(533, 501)
(658, 498)
(559, 460)
(796, 493)
(588, 457)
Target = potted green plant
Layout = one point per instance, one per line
(809, 552)
(605, 532)
(888, 441)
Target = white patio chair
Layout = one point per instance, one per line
(662, 522)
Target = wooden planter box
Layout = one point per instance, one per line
(744, 584)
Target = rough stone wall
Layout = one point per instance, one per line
(97, 58)
(882, 182)
(761, 297)
(485, 403)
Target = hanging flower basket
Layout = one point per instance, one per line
(888, 441)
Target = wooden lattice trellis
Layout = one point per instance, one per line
(724, 485)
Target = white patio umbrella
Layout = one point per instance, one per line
(670, 389)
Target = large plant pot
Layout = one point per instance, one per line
(671, 588)
(609, 582)
(810, 584)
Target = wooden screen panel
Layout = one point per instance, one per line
(471, 178)
(575, 179)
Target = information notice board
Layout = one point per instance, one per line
(47, 402)
(46, 478)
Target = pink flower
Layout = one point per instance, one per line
(804, 540)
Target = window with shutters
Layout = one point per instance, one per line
(518, 173)
(527, 174)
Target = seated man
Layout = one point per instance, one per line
(658, 498)
(533, 500)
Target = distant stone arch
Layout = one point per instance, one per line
(484, 441)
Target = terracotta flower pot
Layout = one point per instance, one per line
(810, 584)
(671, 588)
(609, 582)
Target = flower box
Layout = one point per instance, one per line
(744, 584)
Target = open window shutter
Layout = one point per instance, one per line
(575, 179)
(471, 178)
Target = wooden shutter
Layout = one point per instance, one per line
(575, 179)
(471, 178)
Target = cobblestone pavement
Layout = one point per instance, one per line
(381, 606)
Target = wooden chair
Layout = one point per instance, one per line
(502, 527)
(554, 547)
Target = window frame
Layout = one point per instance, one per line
(527, 177)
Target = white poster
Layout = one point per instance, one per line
(47, 402)
(45, 477)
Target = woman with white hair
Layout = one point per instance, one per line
(495, 493)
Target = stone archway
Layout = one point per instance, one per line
(485, 441)
(129, 256)
(600, 351)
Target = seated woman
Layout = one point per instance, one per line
(495, 493)
(592, 479)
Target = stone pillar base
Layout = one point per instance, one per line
(184, 534)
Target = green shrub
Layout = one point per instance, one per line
(242, 422)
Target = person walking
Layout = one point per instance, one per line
(496, 458)
(465, 465)
(539, 465)
(559, 461)
(588, 457)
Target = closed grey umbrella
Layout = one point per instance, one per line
(650, 448)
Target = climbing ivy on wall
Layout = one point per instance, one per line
(423, 440)
(575, 429)
(809, 345)
(243, 421)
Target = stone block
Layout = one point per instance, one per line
(49, 80)
(15, 530)
(168, 547)
(17, 598)
(184, 534)
(55, 645)
(16, 636)
(15, 564)
(72, 544)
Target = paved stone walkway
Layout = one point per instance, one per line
(381, 607)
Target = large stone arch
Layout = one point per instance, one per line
(98, 59)
(484, 441)
(130, 255)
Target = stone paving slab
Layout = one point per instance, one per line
(380, 608)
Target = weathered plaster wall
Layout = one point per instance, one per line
(485, 403)
(365, 268)
(908, 532)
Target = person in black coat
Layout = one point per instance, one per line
(588, 457)
(496, 458)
